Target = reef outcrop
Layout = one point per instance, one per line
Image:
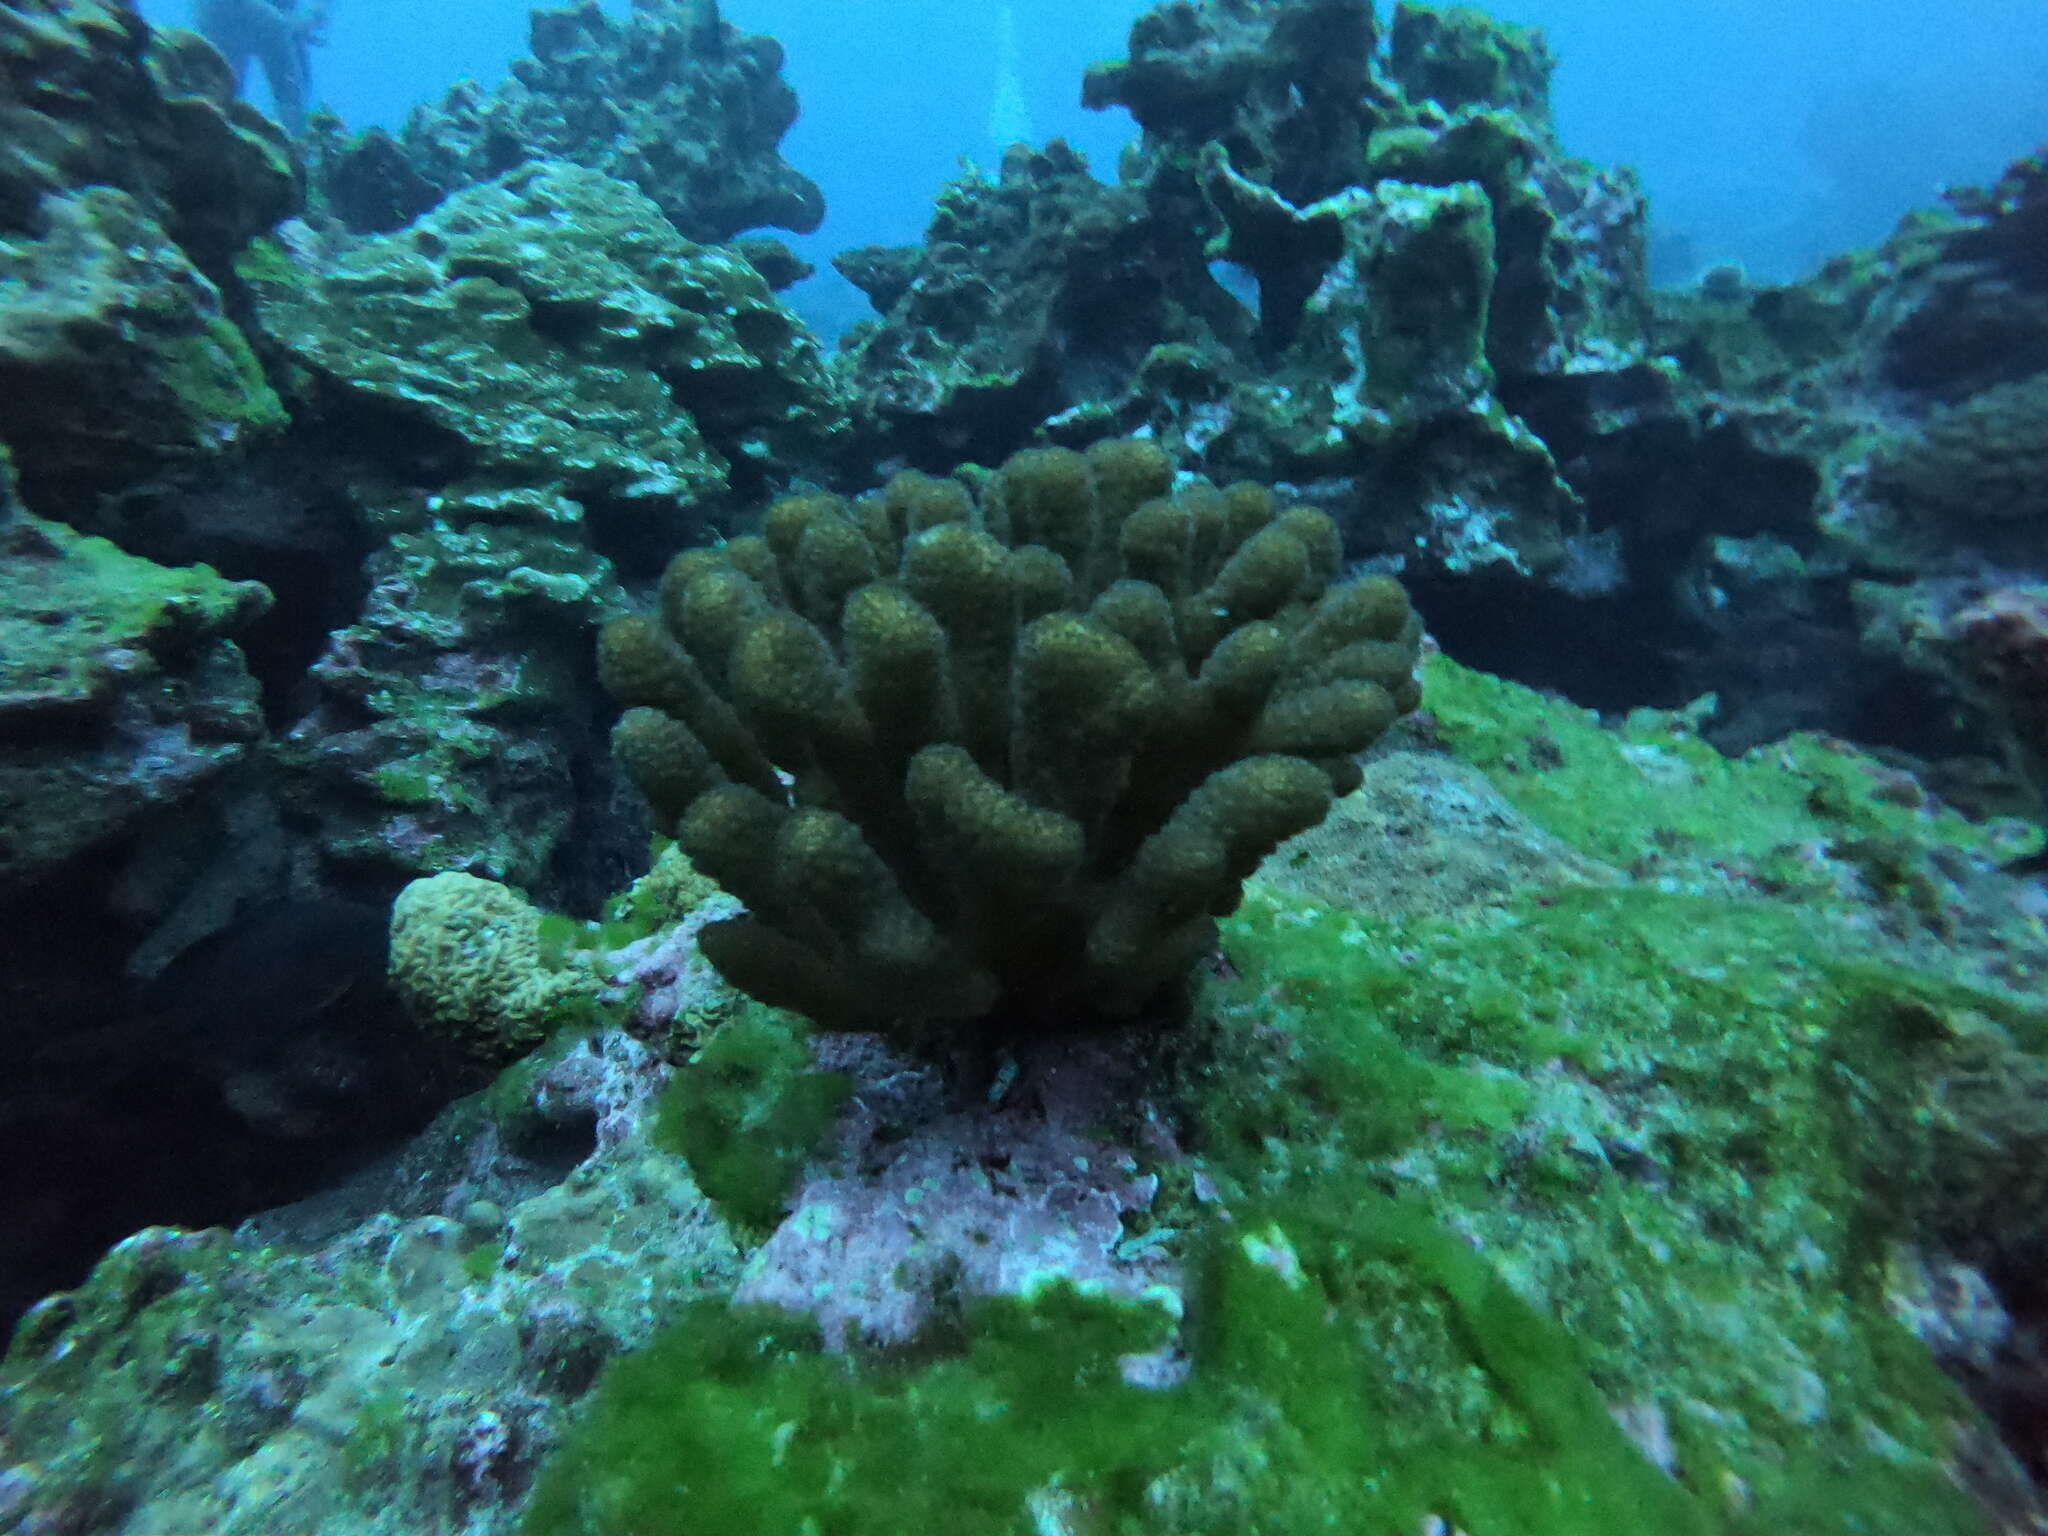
(672, 99)
(559, 384)
(1321, 264)
(130, 177)
(122, 694)
(1894, 409)
(550, 328)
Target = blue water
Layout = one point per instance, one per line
(1769, 133)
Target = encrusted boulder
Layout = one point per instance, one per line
(672, 99)
(550, 327)
(117, 355)
(1883, 425)
(130, 177)
(90, 96)
(1978, 467)
(445, 733)
(122, 693)
(1978, 316)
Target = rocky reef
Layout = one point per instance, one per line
(1569, 1080)
(630, 925)
(1356, 260)
(121, 690)
(432, 448)
(314, 537)
(673, 99)
(1416, 266)
(130, 177)
(1901, 391)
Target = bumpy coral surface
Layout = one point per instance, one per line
(466, 959)
(1006, 759)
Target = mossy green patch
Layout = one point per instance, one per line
(1693, 1126)
(215, 377)
(734, 1421)
(1655, 799)
(481, 1262)
(746, 1112)
(1515, 1189)
(70, 604)
(376, 1437)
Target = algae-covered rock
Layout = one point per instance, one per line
(1587, 1132)
(130, 176)
(90, 96)
(1983, 461)
(555, 329)
(394, 1373)
(122, 692)
(116, 354)
(1760, 1035)
(445, 732)
(671, 99)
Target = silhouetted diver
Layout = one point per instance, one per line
(278, 35)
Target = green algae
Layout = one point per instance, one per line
(376, 1439)
(1355, 1366)
(1502, 1179)
(1652, 797)
(746, 1111)
(215, 377)
(1693, 1137)
(70, 602)
(480, 1263)
(735, 1420)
